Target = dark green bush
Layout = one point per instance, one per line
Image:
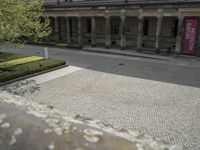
(29, 68)
(4, 56)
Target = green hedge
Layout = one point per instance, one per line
(4, 56)
(29, 68)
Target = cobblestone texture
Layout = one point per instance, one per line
(161, 99)
(169, 112)
(37, 127)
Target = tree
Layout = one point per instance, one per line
(20, 20)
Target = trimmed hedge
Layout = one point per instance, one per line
(29, 68)
(4, 56)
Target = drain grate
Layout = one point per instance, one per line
(121, 64)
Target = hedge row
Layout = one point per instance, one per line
(29, 68)
(4, 56)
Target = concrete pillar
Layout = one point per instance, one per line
(123, 32)
(57, 36)
(93, 31)
(140, 33)
(80, 40)
(158, 32)
(68, 30)
(179, 35)
(108, 32)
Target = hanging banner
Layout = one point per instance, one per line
(189, 41)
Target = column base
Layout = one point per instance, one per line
(177, 53)
(139, 50)
(157, 51)
(93, 45)
(68, 44)
(122, 48)
(107, 47)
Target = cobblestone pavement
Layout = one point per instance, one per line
(28, 125)
(161, 99)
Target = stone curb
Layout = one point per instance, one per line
(123, 54)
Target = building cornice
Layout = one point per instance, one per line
(120, 3)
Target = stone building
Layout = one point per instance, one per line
(171, 25)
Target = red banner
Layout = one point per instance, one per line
(189, 41)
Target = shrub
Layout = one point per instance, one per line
(29, 68)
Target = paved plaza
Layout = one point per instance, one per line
(156, 97)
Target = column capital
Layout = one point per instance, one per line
(140, 10)
(123, 10)
(160, 10)
(55, 17)
(140, 17)
(107, 11)
(107, 16)
(180, 17)
(160, 16)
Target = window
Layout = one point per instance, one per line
(146, 27)
(174, 28)
(114, 26)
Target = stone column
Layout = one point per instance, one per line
(80, 42)
(57, 36)
(68, 30)
(93, 31)
(140, 32)
(179, 35)
(158, 32)
(107, 38)
(123, 32)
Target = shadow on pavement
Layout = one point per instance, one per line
(21, 87)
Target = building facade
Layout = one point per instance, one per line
(171, 25)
